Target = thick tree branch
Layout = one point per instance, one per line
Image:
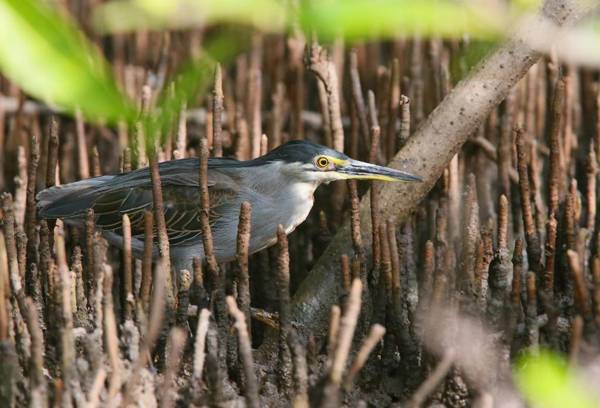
(427, 153)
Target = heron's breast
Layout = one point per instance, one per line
(298, 204)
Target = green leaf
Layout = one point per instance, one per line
(122, 16)
(191, 80)
(353, 19)
(358, 19)
(547, 382)
(49, 58)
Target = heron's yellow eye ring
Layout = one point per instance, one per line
(322, 162)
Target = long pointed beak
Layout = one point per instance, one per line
(360, 170)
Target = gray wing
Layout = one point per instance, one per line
(181, 209)
(181, 201)
(131, 193)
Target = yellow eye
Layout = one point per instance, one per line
(322, 162)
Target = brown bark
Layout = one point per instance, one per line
(426, 154)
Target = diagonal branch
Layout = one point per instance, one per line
(427, 153)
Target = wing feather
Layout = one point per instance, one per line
(181, 201)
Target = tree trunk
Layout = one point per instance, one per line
(427, 153)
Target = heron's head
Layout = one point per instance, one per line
(311, 162)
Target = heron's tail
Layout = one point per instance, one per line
(69, 200)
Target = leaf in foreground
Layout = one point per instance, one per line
(49, 58)
(547, 382)
(353, 19)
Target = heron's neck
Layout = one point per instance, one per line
(290, 199)
(297, 198)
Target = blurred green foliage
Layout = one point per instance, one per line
(48, 57)
(353, 19)
(190, 81)
(548, 382)
(357, 19)
(120, 16)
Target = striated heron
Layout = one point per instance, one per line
(278, 185)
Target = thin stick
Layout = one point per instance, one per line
(181, 140)
(209, 256)
(395, 266)
(200, 344)
(207, 239)
(404, 120)
(358, 98)
(428, 270)
(251, 383)
(111, 339)
(127, 299)
(591, 171)
(243, 245)
(198, 292)
(96, 168)
(596, 288)
(572, 216)
(319, 64)
(283, 285)
(146, 283)
(52, 152)
(347, 326)
(582, 300)
(21, 238)
(531, 322)
(471, 232)
(387, 264)
(155, 323)
(375, 186)
(4, 296)
(96, 388)
(548, 277)
(575, 342)
(554, 179)
(36, 363)
(531, 234)
(355, 220)
(163, 237)
(81, 301)
(66, 315)
(393, 104)
(277, 117)
(175, 347)
(9, 230)
(300, 371)
(30, 209)
(127, 160)
(373, 338)
(254, 109)
(345, 272)
(503, 222)
(183, 297)
(214, 370)
(217, 113)
(100, 247)
(333, 336)
(243, 150)
(264, 144)
(21, 187)
(3, 141)
(433, 381)
(82, 149)
(90, 229)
